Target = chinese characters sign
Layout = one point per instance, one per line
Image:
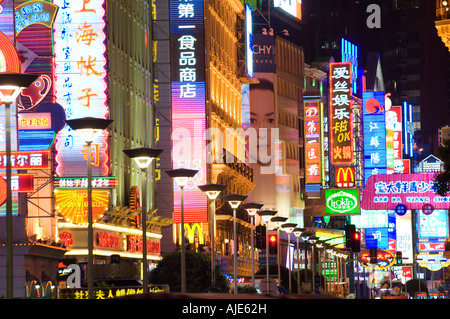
(313, 154)
(341, 113)
(34, 12)
(394, 135)
(188, 105)
(413, 190)
(374, 130)
(81, 182)
(81, 82)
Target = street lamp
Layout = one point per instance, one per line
(11, 84)
(252, 209)
(266, 215)
(143, 157)
(181, 177)
(305, 236)
(88, 128)
(298, 232)
(278, 220)
(313, 240)
(212, 191)
(289, 228)
(234, 201)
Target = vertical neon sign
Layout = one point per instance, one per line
(313, 134)
(81, 82)
(374, 130)
(341, 117)
(408, 129)
(188, 105)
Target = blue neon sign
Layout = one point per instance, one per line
(374, 130)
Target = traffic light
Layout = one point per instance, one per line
(398, 257)
(355, 242)
(273, 241)
(373, 256)
(349, 230)
(260, 237)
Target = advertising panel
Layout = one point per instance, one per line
(313, 142)
(434, 225)
(412, 190)
(188, 106)
(345, 176)
(377, 238)
(404, 237)
(341, 117)
(293, 7)
(342, 202)
(394, 129)
(81, 83)
(72, 204)
(370, 219)
(375, 134)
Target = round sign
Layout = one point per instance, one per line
(427, 209)
(401, 209)
(3, 191)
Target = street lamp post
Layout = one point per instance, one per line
(313, 240)
(252, 209)
(234, 201)
(212, 191)
(88, 128)
(143, 157)
(298, 232)
(289, 228)
(278, 220)
(266, 215)
(305, 237)
(11, 84)
(181, 176)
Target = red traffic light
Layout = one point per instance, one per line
(356, 236)
(273, 238)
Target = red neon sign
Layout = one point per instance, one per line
(26, 160)
(341, 117)
(313, 154)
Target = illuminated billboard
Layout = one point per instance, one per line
(413, 190)
(34, 12)
(342, 202)
(313, 141)
(188, 106)
(345, 176)
(394, 129)
(374, 130)
(341, 130)
(434, 225)
(81, 83)
(293, 7)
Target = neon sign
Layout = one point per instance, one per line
(385, 259)
(293, 7)
(72, 204)
(408, 129)
(341, 202)
(345, 176)
(81, 182)
(341, 117)
(36, 11)
(26, 160)
(374, 130)
(188, 105)
(413, 190)
(313, 153)
(249, 39)
(81, 82)
(349, 53)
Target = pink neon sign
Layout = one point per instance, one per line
(81, 82)
(385, 192)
